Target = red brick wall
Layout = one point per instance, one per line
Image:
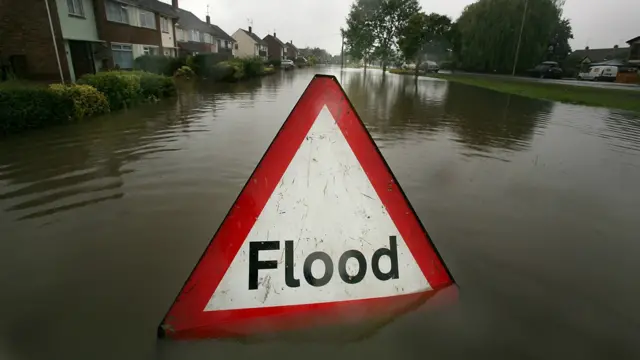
(122, 33)
(24, 30)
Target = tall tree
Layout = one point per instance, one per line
(391, 18)
(358, 35)
(489, 32)
(423, 35)
(374, 27)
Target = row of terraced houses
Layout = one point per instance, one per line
(49, 39)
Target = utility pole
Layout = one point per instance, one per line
(342, 50)
(55, 46)
(524, 16)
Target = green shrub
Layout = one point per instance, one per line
(126, 88)
(268, 70)
(156, 86)
(184, 72)
(86, 99)
(204, 64)
(122, 88)
(252, 67)
(29, 107)
(274, 62)
(159, 64)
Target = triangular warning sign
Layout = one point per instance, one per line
(321, 233)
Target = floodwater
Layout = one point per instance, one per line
(533, 205)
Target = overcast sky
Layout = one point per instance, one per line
(596, 23)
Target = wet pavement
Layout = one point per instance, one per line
(532, 204)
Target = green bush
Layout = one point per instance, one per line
(29, 107)
(204, 64)
(184, 72)
(274, 62)
(252, 66)
(126, 88)
(156, 86)
(86, 99)
(159, 64)
(122, 88)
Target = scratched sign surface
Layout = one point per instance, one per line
(321, 231)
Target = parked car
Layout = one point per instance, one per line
(287, 64)
(547, 69)
(600, 73)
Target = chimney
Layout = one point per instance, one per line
(174, 3)
(615, 47)
(587, 48)
(274, 34)
(250, 29)
(208, 19)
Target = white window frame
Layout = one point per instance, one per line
(124, 12)
(147, 19)
(147, 50)
(164, 24)
(76, 8)
(194, 35)
(122, 48)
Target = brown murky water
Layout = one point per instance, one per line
(533, 205)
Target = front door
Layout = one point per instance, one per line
(82, 57)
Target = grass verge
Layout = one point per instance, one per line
(581, 95)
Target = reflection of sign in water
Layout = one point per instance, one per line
(320, 234)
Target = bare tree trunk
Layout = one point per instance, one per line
(365, 64)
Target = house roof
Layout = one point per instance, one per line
(290, 45)
(155, 6)
(274, 38)
(614, 62)
(599, 55)
(633, 40)
(255, 37)
(189, 21)
(220, 34)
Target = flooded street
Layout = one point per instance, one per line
(532, 204)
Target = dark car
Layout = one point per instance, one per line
(548, 69)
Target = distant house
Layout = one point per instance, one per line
(588, 56)
(290, 51)
(248, 44)
(634, 52)
(276, 47)
(195, 36)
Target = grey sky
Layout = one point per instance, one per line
(317, 22)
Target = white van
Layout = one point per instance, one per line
(600, 73)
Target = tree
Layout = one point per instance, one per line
(390, 20)
(374, 27)
(358, 35)
(560, 41)
(424, 35)
(489, 31)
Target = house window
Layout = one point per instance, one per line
(150, 50)
(226, 44)
(235, 46)
(117, 12)
(195, 35)
(147, 19)
(122, 56)
(75, 7)
(164, 24)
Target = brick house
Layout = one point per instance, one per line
(276, 47)
(133, 28)
(195, 36)
(89, 35)
(27, 43)
(290, 51)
